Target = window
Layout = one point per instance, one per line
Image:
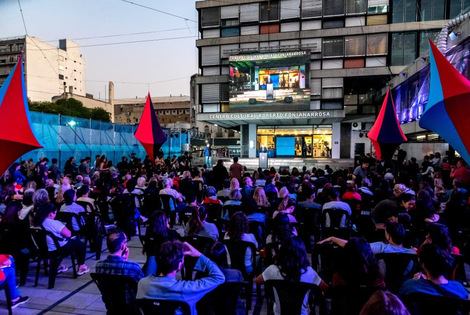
(377, 44)
(354, 63)
(269, 28)
(356, 6)
(432, 10)
(61, 76)
(423, 40)
(211, 33)
(337, 23)
(230, 31)
(210, 55)
(377, 6)
(404, 11)
(333, 7)
(332, 104)
(249, 12)
(290, 9)
(333, 47)
(355, 46)
(377, 19)
(269, 11)
(230, 22)
(311, 8)
(457, 7)
(210, 93)
(403, 48)
(380, 9)
(210, 17)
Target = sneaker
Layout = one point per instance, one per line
(82, 271)
(143, 219)
(62, 268)
(21, 300)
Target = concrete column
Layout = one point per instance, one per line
(252, 140)
(244, 143)
(336, 138)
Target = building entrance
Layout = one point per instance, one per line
(295, 141)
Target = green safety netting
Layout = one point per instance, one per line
(64, 137)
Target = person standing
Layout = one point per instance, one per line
(236, 169)
(207, 154)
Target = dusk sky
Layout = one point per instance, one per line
(157, 63)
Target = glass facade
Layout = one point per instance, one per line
(404, 48)
(301, 141)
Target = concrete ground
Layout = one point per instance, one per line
(77, 296)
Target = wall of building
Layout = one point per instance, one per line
(48, 67)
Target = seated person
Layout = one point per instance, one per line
(287, 207)
(225, 192)
(165, 285)
(72, 207)
(197, 225)
(218, 254)
(82, 194)
(292, 265)
(45, 217)
(211, 196)
(335, 203)
(116, 263)
(438, 234)
(435, 263)
(309, 193)
(238, 230)
(235, 198)
(394, 234)
(168, 190)
(392, 207)
(8, 275)
(384, 302)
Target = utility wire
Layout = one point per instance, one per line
(121, 35)
(127, 42)
(160, 11)
(22, 17)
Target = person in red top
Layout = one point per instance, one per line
(236, 169)
(8, 274)
(461, 172)
(351, 193)
(211, 196)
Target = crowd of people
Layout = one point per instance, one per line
(295, 220)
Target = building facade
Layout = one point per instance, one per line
(49, 70)
(306, 77)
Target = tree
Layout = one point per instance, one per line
(70, 107)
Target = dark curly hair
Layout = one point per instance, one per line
(237, 226)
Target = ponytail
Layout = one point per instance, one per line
(196, 223)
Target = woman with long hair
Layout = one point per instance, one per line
(197, 224)
(238, 230)
(282, 229)
(158, 232)
(292, 265)
(259, 196)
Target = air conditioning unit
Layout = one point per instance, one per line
(356, 126)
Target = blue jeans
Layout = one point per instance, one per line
(150, 267)
(208, 161)
(10, 278)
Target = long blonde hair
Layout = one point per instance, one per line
(260, 197)
(234, 184)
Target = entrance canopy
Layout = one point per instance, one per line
(315, 117)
